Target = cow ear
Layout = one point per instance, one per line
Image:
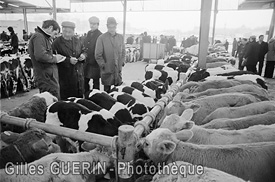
(186, 91)
(88, 146)
(184, 135)
(9, 137)
(166, 147)
(40, 145)
(195, 107)
(187, 114)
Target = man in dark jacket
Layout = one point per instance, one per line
(252, 54)
(91, 68)
(43, 60)
(14, 40)
(110, 55)
(241, 52)
(70, 71)
(262, 52)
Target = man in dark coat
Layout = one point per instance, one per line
(241, 52)
(14, 40)
(43, 60)
(262, 52)
(70, 71)
(110, 55)
(252, 54)
(91, 68)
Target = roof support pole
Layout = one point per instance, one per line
(25, 20)
(272, 24)
(124, 17)
(54, 9)
(214, 21)
(204, 31)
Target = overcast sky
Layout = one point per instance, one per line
(153, 18)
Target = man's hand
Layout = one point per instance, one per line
(82, 57)
(73, 60)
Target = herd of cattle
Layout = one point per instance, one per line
(221, 118)
(16, 75)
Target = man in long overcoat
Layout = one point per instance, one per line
(70, 71)
(110, 55)
(252, 55)
(91, 68)
(43, 60)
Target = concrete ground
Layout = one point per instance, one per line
(131, 71)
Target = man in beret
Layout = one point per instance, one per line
(91, 68)
(251, 55)
(70, 71)
(110, 55)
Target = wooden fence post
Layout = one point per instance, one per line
(125, 153)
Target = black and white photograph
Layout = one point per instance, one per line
(137, 91)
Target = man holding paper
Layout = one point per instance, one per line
(70, 71)
(43, 60)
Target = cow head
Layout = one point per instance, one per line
(176, 123)
(160, 144)
(30, 145)
(49, 98)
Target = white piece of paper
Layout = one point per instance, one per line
(61, 60)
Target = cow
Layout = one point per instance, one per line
(242, 111)
(34, 108)
(204, 106)
(221, 69)
(26, 147)
(267, 118)
(200, 135)
(179, 66)
(216, 64)
(187, 172)
(76, 116)
(136, 108)
(109, 103)
(5, 78)
(171, 76)
(149, 67)
(238, 72)
(183, 96)
(164, 146)
(138, 95)
(198, 75)
(28, 68)
(254, 78)
(143, 88)
(58, 167)
(216, 84)
(158, 86)
(94, 107)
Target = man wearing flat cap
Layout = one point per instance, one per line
(110, 55)
(251, 55)
(91, 68)
(70, 71)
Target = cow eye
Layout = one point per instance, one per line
(146, 144)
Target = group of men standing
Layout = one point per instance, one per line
(65, 65)
(252, 52)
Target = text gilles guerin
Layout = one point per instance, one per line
(124, 168)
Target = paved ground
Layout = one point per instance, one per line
(131, 71)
